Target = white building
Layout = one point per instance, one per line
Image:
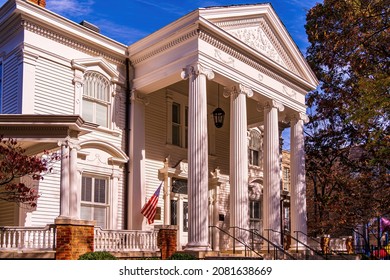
(129, 117)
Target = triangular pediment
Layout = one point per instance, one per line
(258, 27)
(257, 34)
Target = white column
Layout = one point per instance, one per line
(298, 182)
(239, 214)
(64, 183)
(137, 164)
(74, 184)
(271, 191)
(197, 157)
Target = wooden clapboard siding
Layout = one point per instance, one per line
(8, 216)
(48, 204)
(54, 89)
(11, 86)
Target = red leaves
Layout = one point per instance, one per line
(15, 164)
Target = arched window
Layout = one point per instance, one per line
(96, 98)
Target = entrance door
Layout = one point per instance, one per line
(179, 217)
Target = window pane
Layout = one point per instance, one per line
(176, 113)
(173, 212)
(100, 191)
(100, 216)
(101, 114)
(185, 216)
(88, 110)
(176, 135)
(86, 212)
(86, 189)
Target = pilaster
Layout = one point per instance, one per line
(137, 164)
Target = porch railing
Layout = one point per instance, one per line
(125, 240)
(27, 238)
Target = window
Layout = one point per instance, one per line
(255, 215)
(179, 128)
(286, 178)
(96, 98)
(254, 151)
(1, 87)
(94, 200)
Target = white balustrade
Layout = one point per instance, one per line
(27, 238)
(125, 240)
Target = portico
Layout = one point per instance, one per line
(246, 51)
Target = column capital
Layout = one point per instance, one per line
(196, 69)
(235, 90)
(139, 97)
(298, 116)
(269, 105)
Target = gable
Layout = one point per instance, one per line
(258, 27)
(257, 34)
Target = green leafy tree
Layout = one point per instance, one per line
(348, 143)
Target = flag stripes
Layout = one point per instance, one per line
(149, 209)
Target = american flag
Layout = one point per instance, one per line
(149, 209)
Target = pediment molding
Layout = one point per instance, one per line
(257, 34)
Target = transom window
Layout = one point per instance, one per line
(96, 98)
(94, 200)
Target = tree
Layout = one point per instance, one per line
(15, 164)
(348, 143)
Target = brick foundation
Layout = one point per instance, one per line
(167, 241)
(74, 238)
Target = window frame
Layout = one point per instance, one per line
(94, 100)
(96, 204)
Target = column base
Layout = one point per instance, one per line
(197, 247)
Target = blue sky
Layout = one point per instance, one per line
(128, 21)
(131, 20)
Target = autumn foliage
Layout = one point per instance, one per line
(348, 142)
(15, 164)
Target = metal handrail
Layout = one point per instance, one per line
(269, 242)
(300, 242)
(240, 241)
(330, 249)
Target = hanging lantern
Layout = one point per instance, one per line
(218, 115)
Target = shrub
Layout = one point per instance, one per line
(182, 256)
(97, 256)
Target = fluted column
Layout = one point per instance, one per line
(197, 157)
(239, 218)
(271, 191)
(298, 182)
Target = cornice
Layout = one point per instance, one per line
(233, 52)
(67, 41)
(136, 59)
